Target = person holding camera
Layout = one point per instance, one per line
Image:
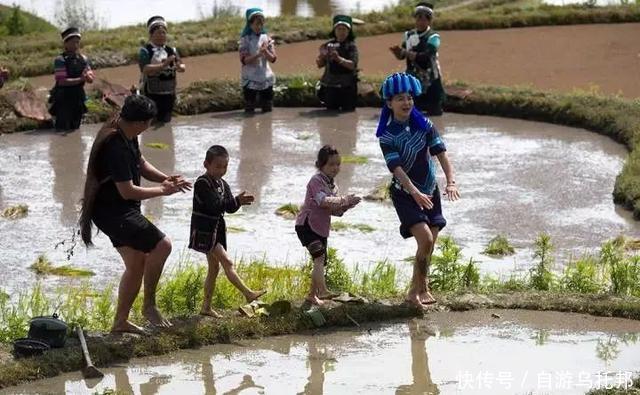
(159, 63)
(71, 71)
(257, 51)
(339, 57)
(420, 48)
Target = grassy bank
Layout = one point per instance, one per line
(605, 285)
(33, 54)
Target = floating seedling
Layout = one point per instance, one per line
(341, 226)
(380, 193)
(43, 266)
(161, 146)
(16, 212)
(355, 159)
(288, 211)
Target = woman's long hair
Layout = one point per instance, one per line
(92, 183)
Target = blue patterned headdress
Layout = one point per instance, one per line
(396, 84)
(249, 15)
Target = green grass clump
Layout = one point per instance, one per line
(499, 246)
(160, 146)
(43, 266)
(288, 211)
(16, 212)
(339, 226)
(354, 159)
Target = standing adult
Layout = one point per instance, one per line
(257, 51)
(420, 49)
(111, 201)
(71, 71)
(339, 57)
(159, 64)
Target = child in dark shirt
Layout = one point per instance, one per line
(211, 199)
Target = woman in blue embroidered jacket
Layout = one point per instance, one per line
(408, 141)
(420, 48)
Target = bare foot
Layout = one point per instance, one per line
(155, 318)
(210, 313)
(326, 294)
(314, 300)
(414, 300)
(254, 295)
(427, 298)
(127, 327)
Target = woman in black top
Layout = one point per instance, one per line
(112, 202)
(339, 57)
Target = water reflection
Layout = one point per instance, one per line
(318, 363)
(422, 383)
(164, 159)
(256, 151)
(66, 155)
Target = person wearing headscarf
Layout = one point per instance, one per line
(409, 141)
(71, 71)
(257, 50)
(159, 64)
(339, 57)
(420, 48)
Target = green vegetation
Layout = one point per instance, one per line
(339, 226)
(15, 22)
(355, 159)
(288, 211)
(43, 266)
(15, 212)
(32, 55)
(499, 246)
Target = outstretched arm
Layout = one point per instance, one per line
(451, 190)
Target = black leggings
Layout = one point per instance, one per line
(341, 98)
(251, 99)
(164, 104)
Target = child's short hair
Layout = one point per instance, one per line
(138, 108)
(216, 151)
(324, 154)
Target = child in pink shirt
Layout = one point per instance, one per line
(314, 221)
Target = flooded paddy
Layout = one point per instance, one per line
(478, 352)
(517, 178)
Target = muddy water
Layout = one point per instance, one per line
(517, 178)
(466, 353)
(114, 13)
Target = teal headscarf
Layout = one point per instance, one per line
(250, 14)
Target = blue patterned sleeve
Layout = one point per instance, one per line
(391, 155)
(435, 142)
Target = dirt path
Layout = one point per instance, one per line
(557, 58)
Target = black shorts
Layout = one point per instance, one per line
(410, 213)
(130, 230)
(306, 235)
